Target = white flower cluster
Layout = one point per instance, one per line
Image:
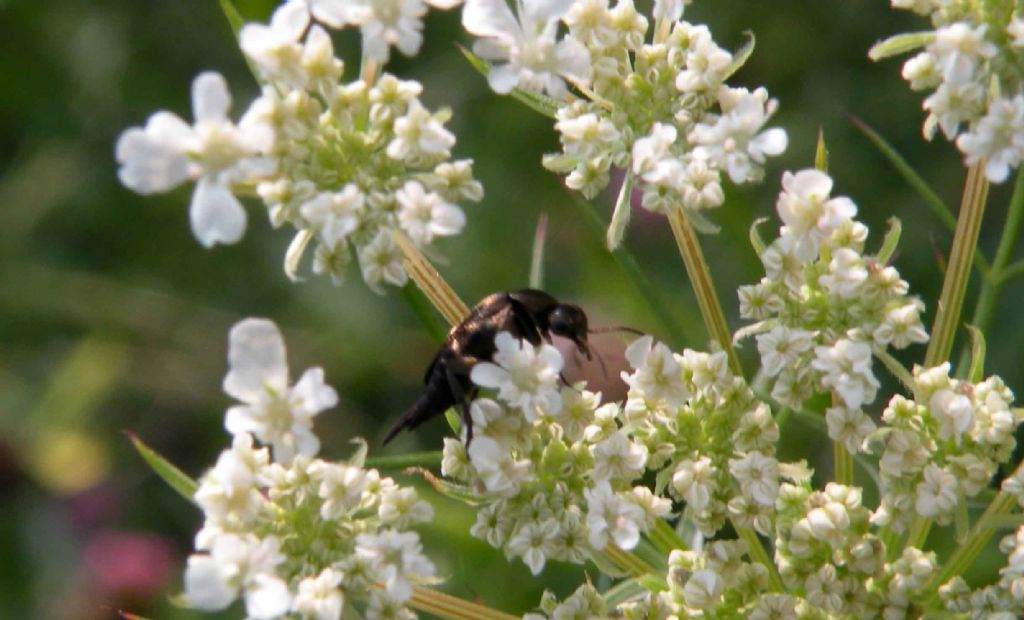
(824, 306)
(943, 446)
(712, 443)
(296, 536)
(552, 468)
(342, 163)
(971, 63)
(659, 110)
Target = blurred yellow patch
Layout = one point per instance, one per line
(69, 462)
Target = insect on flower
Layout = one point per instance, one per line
(527, 314)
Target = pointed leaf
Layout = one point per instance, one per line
(900, 44)
(405, 461)
(755, 236)
(234, 18)
(821, 152)
(891, 241)
(358, 458)
(177, 479)
(537, 256)
(623, 210)
(740, 57)
(700, 223)
(978, 347)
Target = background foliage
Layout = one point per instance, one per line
(112, 317)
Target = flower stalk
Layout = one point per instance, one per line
(452, 608)
(429, 281)
(759, 554)
(629, 562)
(703, 287)
(958, 271)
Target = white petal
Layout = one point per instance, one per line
(315, 394)
(447, 219)
(486, 374)
(206, 585)
(772, 141)
(215, 213)
(334, 13)
(267, 597)
(503, 78)
(257, 360)
(210, 98)
(444, 5)
(544, 10)
(489, 18)
(240, 419)
(636, 353)
(148, 166)
(290, 20)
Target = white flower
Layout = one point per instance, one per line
(382, 23)
(936, 494)
(424, 215)
(336, 215)
(319, 597)
(783, 347)
(419, 135)
(274, 412)
(703, 589)
(618, 458)
(846, 368)
(381, 261)
(904, 454)
(585, 136)
(214, 151)
(922, 71)
(341, 488)
(500, 474)
(536, 61)
(590, 23)
(959, 40)
(758, 476)
(395, 558)
(234, 563)
(658, 375)
(230, 488)
(706, 63)
(401, 507)
(492, 523)
(998, 138)
(274, 48)
(808, 213)
(957, 99)
(610, 518)
(526, 378)
(846, 274)
(267, 597)
(694, 481)
(954, 413)
(850, 427)
(534, 542)
(735, 141)
(902, 326)
(671, 10)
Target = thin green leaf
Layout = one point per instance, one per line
(977, 371)
(900, 44)
(621, 214)
(756, 241)
(537, 256)
(606, 566)
(234, 18)
(700, 223)
(177, 479)
(740, 56)
(542, 104)
(358, 458)
(891, 241)
(405, 461)
(424, 311)
(455, 491)
(821, 152)
(623, 591)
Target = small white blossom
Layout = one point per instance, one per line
(936, 494)
(272, 411)
(618, 458)
(525, 377)
(735, 141)
(610, 518)
(808, 213)
(846, 368)
(381, 262)
(657, 372)
(535, 60)
(319, 598)
(396, 559)
(274, 48)
(424, 215)
(783, 347)
(420, 135)
(998, 138)
(703, 589)
(214, 152)
(953, 412)
(850, 427)
(694, 481)
(534, 542)
(758, 476)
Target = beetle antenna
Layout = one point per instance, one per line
(617, 328)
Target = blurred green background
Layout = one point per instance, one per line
(113, 319)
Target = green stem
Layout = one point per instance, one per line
(665, 538)
(965, 241)
(403, 461)
(452, 608)
(918, 532)
(842, 463)
(975, 541)
(703, 287)
(758, 553)
(1001, 272)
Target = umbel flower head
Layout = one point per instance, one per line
(659, 110)
(970, 63)
(344, 164)
(292, 535)
(825, 308)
